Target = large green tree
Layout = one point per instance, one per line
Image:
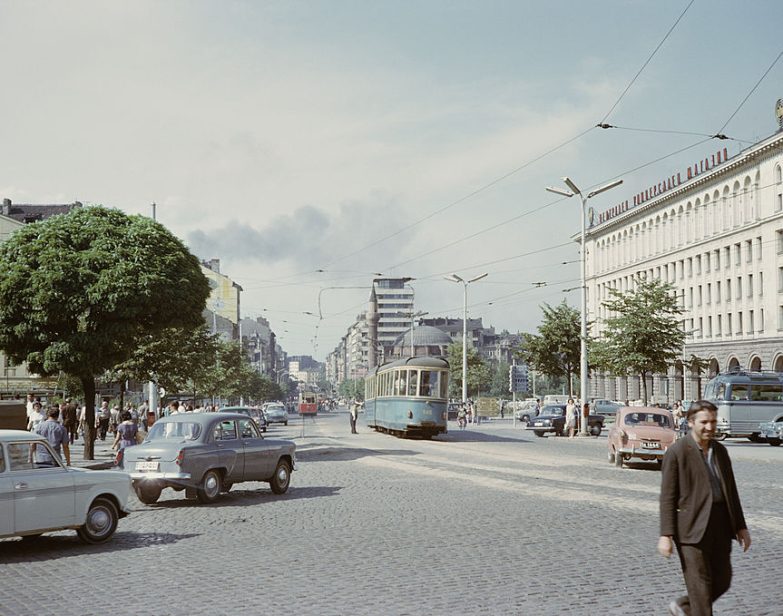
(78, 292)
(644, 333)
(479, 374)
(555, 349)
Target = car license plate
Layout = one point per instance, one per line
(648, 445)
(144, 465)
(538, 423)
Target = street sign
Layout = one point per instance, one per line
(517, 378)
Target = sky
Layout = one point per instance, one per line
(311, 146)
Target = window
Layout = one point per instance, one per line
(739, 323)
(690, 297)
(780, 280)
(761, 283)
(717, 292)
(719, 330)
(700, 332)
(779, 240)
(682, 269)
(751, 328)
(766, 392)
(726, 257)
(2, 460)
(706, 262)
(737, 255)
(740, 392)
(738, 294)
(413, 383)
(761, 320)
(698, 297)
(709, 327)
(728, 322)
(31, 456)
(430, 383)
(748, 251)
(758, 248)
(716, 259)
(248, 429)
(225, 430)
(709, 293)
(698, 265)
(728, 289)
(690, 267)
(750, 285)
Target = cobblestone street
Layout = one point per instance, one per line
(490, 520)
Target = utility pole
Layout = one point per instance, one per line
(151, 385)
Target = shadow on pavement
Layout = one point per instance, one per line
(347, 454)
(67, 545)
(474, 436)
(246, 498)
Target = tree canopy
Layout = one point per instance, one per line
(644, 333)
(479, 375)
(79, 291)
(555, 349)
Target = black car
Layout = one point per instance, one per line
(256, 415)
(552, 419)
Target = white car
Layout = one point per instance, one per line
(39, 497)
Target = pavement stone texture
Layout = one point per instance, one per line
(489, 520)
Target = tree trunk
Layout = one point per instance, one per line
(88, 387)
(644, 388)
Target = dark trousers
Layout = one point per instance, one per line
(706, 565)
(72, 432)
(353, 424)
(103, 426)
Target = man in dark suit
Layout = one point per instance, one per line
(700, 512)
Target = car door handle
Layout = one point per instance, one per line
(20, 486)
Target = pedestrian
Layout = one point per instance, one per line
(56, 435)
(502, 408)
(700, 512)
(354, 416)
(103, 417)
(538, 407)
(462, 415)
(115, 419)
(125, 435)
(36, 417)
(570, 418)
(70, 419)
(174, 408)
(30, 402)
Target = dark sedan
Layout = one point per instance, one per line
(552, 419)
(205, 454)
(255, 414)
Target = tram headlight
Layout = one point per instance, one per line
(410, 414)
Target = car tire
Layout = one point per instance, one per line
(539, 433)
(282, 478)
(775, 442)
(210, 487)
(755, 438)
(610, 456)
(618, 460)
(595, 430)
(226, 488)
(659, 463)
(100, 523)
(148, 495)
(720, 437)
(285, 423)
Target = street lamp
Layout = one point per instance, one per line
(465, 283)
(574, 190)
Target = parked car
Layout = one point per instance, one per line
(607, 408)
(38, 497)
(772, 431)
(552, 419)
(255, 414)
(640, 432)
(205, 454)
(276, 413)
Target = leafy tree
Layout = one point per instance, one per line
(479, 375)
(555, 351)
(78, 291)
(352, 388)
(499, 386)
(644, 336)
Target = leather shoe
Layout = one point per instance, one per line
(675, 608)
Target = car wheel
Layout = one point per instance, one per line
(227, 487)
(538, 432)
(755, 438)
(282, 478)
(618, 460)
(285, 423)
(595, 430)
(775, 442)
(209, 488)
(263, 429)
(148, 494)
(610, 456)
(659, 463)
(101, 521)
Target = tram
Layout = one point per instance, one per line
(408, 397)
(308, 403)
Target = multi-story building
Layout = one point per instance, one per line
(715, 232)
(259, 340)
(395, 310)
(222, 311)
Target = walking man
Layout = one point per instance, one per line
(354, 416)
(57, 435)
(700, 512)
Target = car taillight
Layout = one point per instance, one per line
(180, 457)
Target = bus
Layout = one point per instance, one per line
(745, 400)
(408, 397)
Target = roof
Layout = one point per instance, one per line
(17, 435)
(414, 362)
(200, 418)
(27, 212)
(424, 335)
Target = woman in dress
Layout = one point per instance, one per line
(570, 417)
(125, 434)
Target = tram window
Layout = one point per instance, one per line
(444, 385)
(766, 392)
(739, 392)
(413, 383)
(400, 383)
(429, 383)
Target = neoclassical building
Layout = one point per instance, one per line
(714, 231)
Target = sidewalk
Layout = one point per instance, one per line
(104, 454)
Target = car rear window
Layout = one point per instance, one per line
(176, 430)
(647, 419)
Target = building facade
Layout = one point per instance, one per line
(395, 310)
(715, 232)
(223, 309)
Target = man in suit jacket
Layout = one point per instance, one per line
(700, 512)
